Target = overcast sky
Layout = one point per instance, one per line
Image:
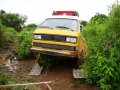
(38, 10)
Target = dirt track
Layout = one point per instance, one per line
(61, 75)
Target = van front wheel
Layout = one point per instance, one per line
(80, 60)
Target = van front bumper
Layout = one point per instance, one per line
(55, 52)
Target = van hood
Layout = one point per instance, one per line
(56, 32)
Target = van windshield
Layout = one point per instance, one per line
(61, 23)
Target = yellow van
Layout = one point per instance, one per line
(60, 35)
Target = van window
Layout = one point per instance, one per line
(61, 23)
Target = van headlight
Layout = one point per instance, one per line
(37, 36)
(71, 39)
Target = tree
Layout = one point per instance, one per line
(2, 11)
(12, 20)
(84, 23)
(98, 19)
(31, 26)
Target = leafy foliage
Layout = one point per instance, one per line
(47, 61)
(2, 12)
(98, 19)
(84, 23)
(9, 24)
(7, 35)
(25, 42)
(12, 20)
(30, 26)
(102, 61)
(1, 35)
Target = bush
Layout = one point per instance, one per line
(25, 42)
(7, 36)
(47, 61)
(102, 61)
(1, 36)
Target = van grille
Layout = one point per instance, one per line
(53, 38)
(54, 46)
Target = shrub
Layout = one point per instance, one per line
(102, 61)
(1, 36)
(25, 42)
(47, 61)
(7, 35)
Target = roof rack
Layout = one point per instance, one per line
(67, 13)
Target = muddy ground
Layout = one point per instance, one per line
(61, 75)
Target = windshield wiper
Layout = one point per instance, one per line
(45, 27)
(63, 27)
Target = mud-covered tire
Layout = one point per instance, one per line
(80, 60)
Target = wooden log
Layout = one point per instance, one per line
(48, 86)
(24, 84)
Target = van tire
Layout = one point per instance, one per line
(80, 60)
